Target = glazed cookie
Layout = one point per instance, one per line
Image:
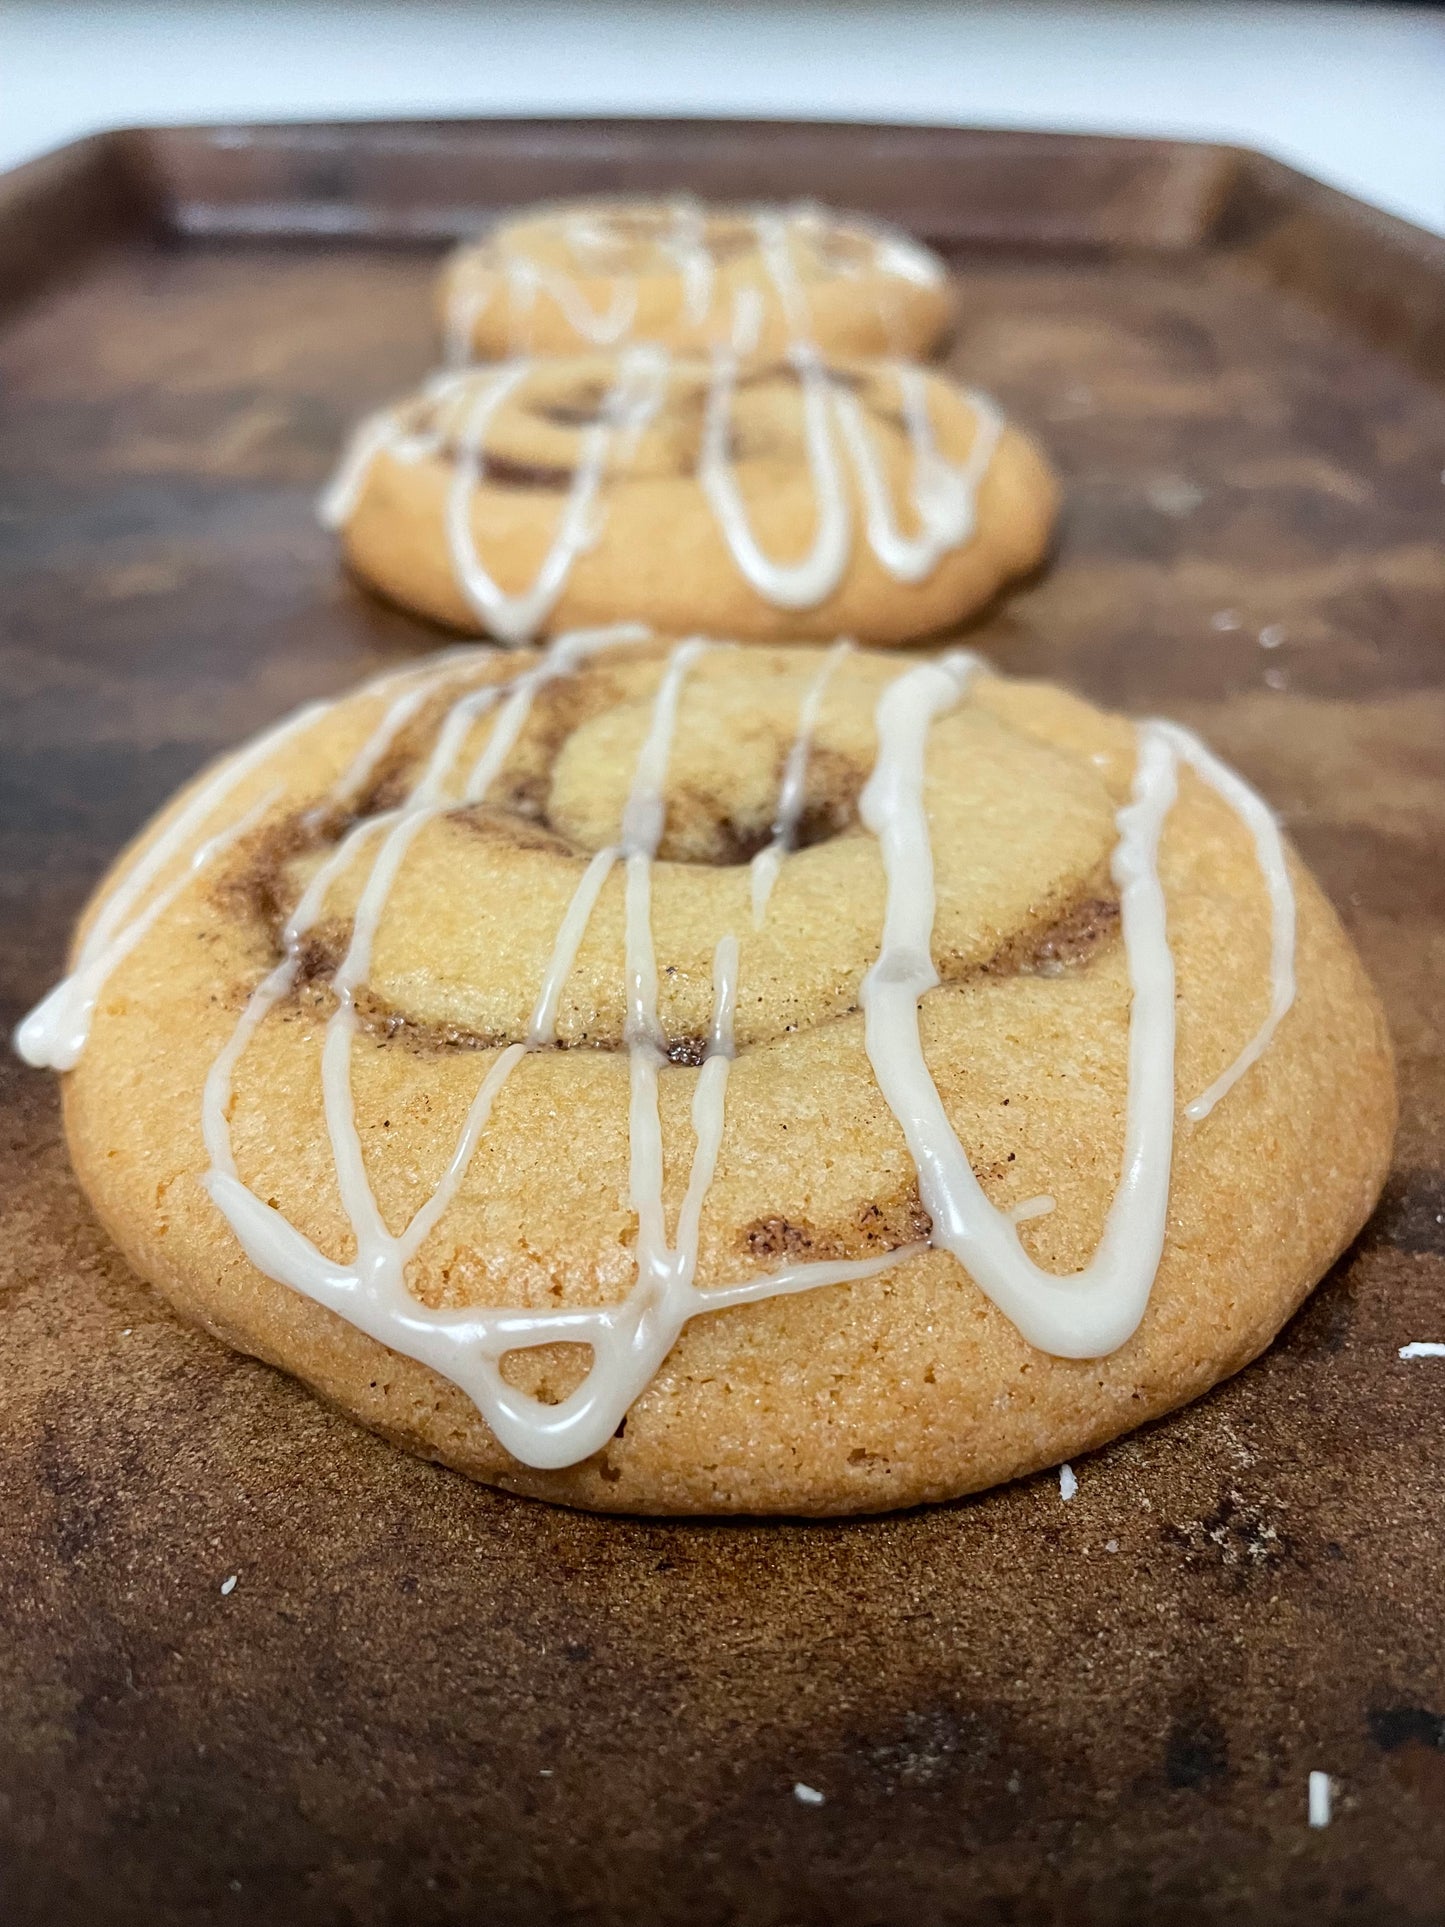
(597, 274)
(687, 1079)
(793, 498)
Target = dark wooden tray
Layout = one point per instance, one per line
(424, 1702)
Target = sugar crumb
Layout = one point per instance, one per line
(1320, 1799)
(1173, 495)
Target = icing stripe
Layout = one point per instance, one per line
(1095, 1310)
(791, 585)
(944, 493)
(685, 243)
(633, 399)
(527, 279)
(1259, 820)
(628, 1340)
(55, 1033)
(793, 792)
(383, 432)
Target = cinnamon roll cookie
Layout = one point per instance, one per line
(790, 499)
(674, 1078)
(597, 274)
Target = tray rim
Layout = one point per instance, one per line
(1378, 273)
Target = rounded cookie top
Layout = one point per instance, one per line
(675, 1078)
(788, 498)
(558, 279)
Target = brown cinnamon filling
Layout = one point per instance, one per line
(1069, 942)
(582, 411)
(501, 471)
(878, 1226)
(262, 890)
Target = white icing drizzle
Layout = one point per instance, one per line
(467, 301)
(527, 278)
(55, 1033)
(419, 685)
(792, 793)
(787, 585)
(628, 1340)
(1094, 1311)
(342, 493)
(384, 432)
(747, 323)
(1258, 818)
(633, 399)
(424, 802)
(776, 249)
(944, 493)
(685, 244)
(682, 243)
(543, 1027)
(897, 254)
(1085, 1315)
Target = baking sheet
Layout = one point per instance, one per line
(422, 1701)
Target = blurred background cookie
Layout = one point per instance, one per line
(597, 274)
(793, 498)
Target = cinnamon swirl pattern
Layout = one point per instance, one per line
(590, 275)
(668, 1077)
(796, 498)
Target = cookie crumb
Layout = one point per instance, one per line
(1038, 1207)
(1320, 1799)
(1173, 495)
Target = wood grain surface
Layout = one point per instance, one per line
(426, 1702)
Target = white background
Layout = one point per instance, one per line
(1353, 94)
